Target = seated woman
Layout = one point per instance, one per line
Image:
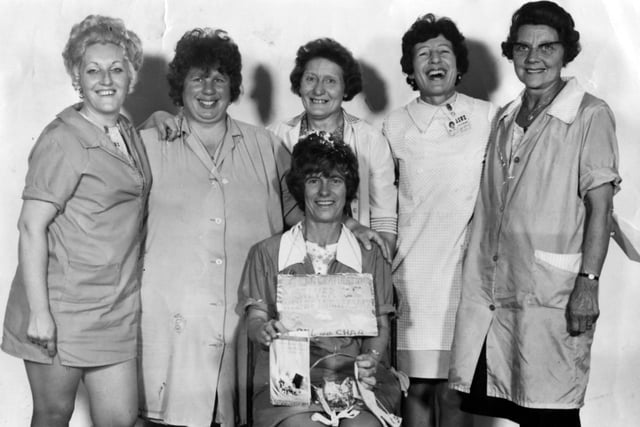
(323, 179)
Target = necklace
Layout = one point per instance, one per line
(542, 104)
(113, 133)
(337, 133)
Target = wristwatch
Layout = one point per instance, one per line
(589, 276)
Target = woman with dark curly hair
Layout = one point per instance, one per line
(326, 74)
(437, 142)
(540, 234)
(73, 310)
(216, 191)
(323, 180)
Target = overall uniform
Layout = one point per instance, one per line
(94, 243)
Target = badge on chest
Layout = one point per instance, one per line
(456, 123)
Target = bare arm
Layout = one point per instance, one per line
(583, 309)
(33, 253)
(373, 349)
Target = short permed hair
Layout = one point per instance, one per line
(333, 51)
(545, 13)
(319, 153)
(102, 29)
(207, 49)
(426, 28)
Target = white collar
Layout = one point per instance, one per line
(293, 249)
(564, 107)
(422, 113)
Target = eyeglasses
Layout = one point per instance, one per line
(544, 49)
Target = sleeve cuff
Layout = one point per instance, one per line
(597, 177)
(31, 193)
(385, 225)
(386, 309)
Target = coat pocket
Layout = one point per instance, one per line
(554, 277)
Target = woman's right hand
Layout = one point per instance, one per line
(264, 332)
(41, 331)
(167, 125)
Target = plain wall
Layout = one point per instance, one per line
(34, 87)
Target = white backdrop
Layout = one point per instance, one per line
(34, 87)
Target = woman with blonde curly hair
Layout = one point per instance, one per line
(73, 310)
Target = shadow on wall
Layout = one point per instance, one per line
(262, 93)
(481, 79)
(374, 88)
(152, 91)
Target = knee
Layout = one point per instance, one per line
(365, 419)
(122, 419)
(52, 413)
(448, 396)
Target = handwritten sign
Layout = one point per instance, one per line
(335, 305)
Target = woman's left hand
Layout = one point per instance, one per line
(167, 125)
(367, 367)
(366, 235)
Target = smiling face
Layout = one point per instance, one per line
(325, 197)
(435, 70)
(103, 76)
(539, 66)
(206, 96)
(322, 89)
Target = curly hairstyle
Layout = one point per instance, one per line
(544, 13)
(318, 153)
(333, 51)
(207, 49)
(428, 27)
(102, 29)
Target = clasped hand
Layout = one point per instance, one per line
(367, 368)
(270, 330)
(41, 331)
(582, 310)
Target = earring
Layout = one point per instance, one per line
(77, 87)
(458, 78)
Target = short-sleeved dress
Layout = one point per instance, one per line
(94, 242)
(204, 216)
(287, 253)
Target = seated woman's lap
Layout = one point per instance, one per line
(364, 419)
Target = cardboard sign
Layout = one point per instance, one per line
(335, 305)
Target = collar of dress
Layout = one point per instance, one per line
(348, 119)
(564, 107)
(422, 113)
(91, 135)
(232, 128)
(293, 249)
